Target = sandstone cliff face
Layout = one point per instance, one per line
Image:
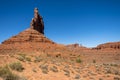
(112, 45)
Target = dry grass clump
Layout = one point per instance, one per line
(6, 74)
(16, 66)
(38, 59)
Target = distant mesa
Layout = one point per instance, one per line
(110, 45)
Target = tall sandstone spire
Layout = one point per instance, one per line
(34, 34)
(37, 22)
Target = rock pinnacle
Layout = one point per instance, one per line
(34, 34)
(37, 22)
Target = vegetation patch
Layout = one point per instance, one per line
(78, 60)
(38, 59)
(6, 74)
(28, 59)
(44, 68)
(94, 61)
(16, 66)
(21, 58)
(23, 55)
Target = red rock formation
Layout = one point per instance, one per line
(111, 45)
(30, 39)
(76, 45)
(34, 34)
(37, 22)
(33, 39)
(29, 35)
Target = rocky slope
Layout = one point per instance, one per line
(29, 35)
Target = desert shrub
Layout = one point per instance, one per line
(44, 68)
(21, 58)
(116, 78)
(78, 60)
(38, 59)
(108, 71)
(11, 76)
(6, 74)
(115, 65)
(94, 61)
(48, 55)
(58, 55)
(4, 70)
(11, 55)
(100, 78)
(23, 78)
(16, 66)
(54, 69)
(28, 59)
(23, 55)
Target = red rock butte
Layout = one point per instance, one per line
(33, 34)
(31, 38)
(112, 45)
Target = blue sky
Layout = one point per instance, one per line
(87, 22)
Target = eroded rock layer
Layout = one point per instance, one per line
(29, 35)
(112, 45)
